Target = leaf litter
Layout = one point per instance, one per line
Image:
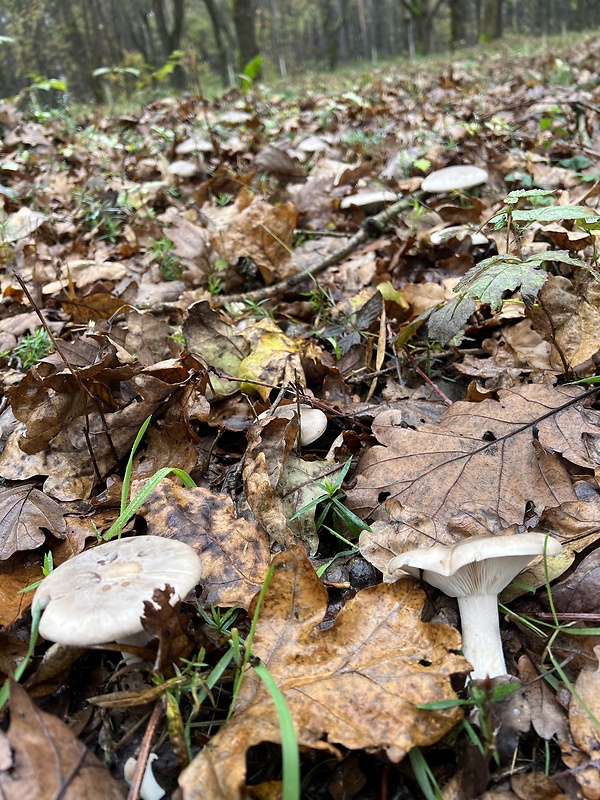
(280, 251)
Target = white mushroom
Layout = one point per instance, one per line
(98, 596)
(475, 571)
(150, 788)
(452, 179)
(459, 232)
(313, 422)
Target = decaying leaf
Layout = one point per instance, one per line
(583, 722)
(356, 683)
(485, 453)
(234, 552)
(24, 514)
(47, 759)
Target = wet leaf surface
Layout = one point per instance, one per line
(354, 684)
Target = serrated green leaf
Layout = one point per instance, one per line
(448, 320)
(512, 198)
(562, 256)
(552, 214)
(503, 274)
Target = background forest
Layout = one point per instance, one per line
(98, 48)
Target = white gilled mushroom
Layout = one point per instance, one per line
(98, 596)
(453, 179)
(313, 422)
(475, 571)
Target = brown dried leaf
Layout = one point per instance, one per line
(576, 524)
(355, 683)
(548, 717)
(569, 320)
(580, 592)
(480, 453)
(234, 552)
(47, 759)
(24, 512)
(583, 722)
(262, 233)
(162, 621)
(18, 572)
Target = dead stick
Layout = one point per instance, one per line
(142, 760)
(371, 226)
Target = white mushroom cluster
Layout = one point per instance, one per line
(475, 571)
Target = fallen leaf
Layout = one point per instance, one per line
(47, 760)
(356, 683)
(480, 453)
(569, 319)
(24, 513)
(234, 552)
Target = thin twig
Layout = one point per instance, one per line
(427, 379)
(142, 759)
(371, 226)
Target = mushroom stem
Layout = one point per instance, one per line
(482, 645)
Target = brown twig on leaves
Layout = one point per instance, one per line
(372, 226)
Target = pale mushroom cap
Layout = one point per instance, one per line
(313, 422)
(475, 566)
(183, 169)
(451, 179)
(98, 596)
(459, 232)
(368, 200)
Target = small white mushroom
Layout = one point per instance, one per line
(369, 201)
(150, 788)
(452, 179)
(313, 422)
(98, 596)
(459, 232)
(475, 571)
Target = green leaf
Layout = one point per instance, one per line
(553, 214)
(492, 277)
(512, 198)
(448, 320)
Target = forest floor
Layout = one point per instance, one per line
(267, 326)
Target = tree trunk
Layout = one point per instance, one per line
(491, 26)
(463, 23)
(218, 30)
(244, 20)
(171, 35)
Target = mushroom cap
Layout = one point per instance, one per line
(459, 232)
(98, 596)
(369, 200)
(183, 169)
(313, 422)
(475, 566)
(451, 179)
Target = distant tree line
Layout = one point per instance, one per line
(106, 47)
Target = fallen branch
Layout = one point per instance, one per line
(372, 226)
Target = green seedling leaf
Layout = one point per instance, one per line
(492, 277)
(552, 214)
(512, 198)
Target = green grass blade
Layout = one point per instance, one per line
(289, 742)
(117, 527)
(424, 776)
(128, 469)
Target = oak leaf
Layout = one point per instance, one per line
(498, 454)
(356, 683)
